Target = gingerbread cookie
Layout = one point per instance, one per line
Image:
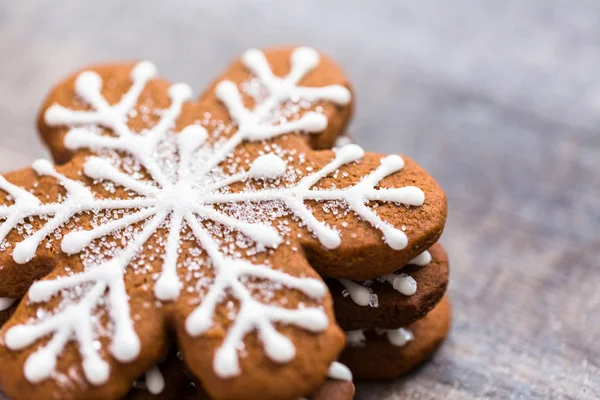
(396, 299)
(384, 354)
(197, 218)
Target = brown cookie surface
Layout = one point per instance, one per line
(377, 358)
(394, 308)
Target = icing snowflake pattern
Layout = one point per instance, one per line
(187, 199)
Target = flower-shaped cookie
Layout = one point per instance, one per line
(203, 222)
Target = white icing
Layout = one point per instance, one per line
(178, 203)
(405, 284)
(268, 166)
(342, 141)
(422, 259)
(340, 372)
(402, 283)
(356, 338)
(155, 381)
(397, 337)
(6, 303)
(360, 294)
(355, 197)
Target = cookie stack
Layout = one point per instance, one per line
(208, 228)
(394, 322)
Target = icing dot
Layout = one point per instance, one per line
(413, 196)
(96, 371)
(268, 166)
(198, 322)
(396, 239)
(314, 288)
(42, 167)
(350, 153)
(180, 91)
(41, 291)
(72, 139)
(226, 362)
(167, 287)
(422, 259)
(155, 381)
(192, 137)
(125, 347)
(225, 89)
(266, 235)
(74, 242)
(55, 114)
(25, 250)
(339, 372)
(399, 337)
(143, 70)
(18, 337)
(40, 365)
(305, 56)
(98, 168)
(314, 320)
(356, 338)
(405, 284)
(393, 163)
(329, 238)
(279, 348)
(253, 56)
(358, 293)
(313, 122)
(409, 195)
(339, 94)
(88, 84)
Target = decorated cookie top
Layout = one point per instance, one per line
(194, 218)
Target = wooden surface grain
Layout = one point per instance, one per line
(499, 100)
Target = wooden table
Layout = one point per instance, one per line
(499, 100)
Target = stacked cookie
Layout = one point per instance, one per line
(208, 225)
(395, 321)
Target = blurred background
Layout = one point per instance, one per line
(499, 100)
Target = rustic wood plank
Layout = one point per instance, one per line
(498, 100)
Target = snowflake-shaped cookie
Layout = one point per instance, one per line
(190, 217)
